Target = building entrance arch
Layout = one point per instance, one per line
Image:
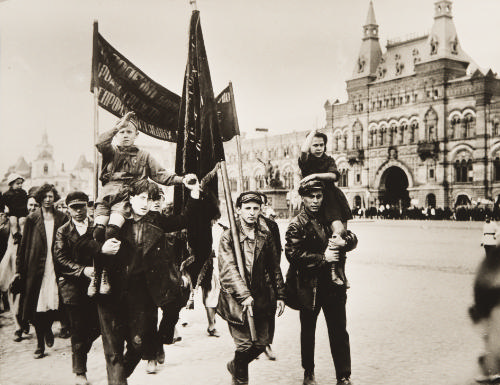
(394, 187)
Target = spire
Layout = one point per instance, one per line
(370, 29)
(370, 18)
(370, 51)
(45, 138)
(45, 150)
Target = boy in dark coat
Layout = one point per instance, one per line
(144, 277)
(261, 289)
(74, 250)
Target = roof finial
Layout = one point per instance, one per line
(193, 4)
(370, 18)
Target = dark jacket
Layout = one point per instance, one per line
(124, 164)
(16, 201)
(306, 241)
(72, 253)
(161, 273)
(266, 284)
(31, 257)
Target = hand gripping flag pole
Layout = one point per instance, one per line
(236, 242)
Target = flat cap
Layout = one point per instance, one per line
(249, 196)
(310, 186)
(77, 198)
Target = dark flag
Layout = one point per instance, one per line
(226, 112)
(199, 146)
(123, 87)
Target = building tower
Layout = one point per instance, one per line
(370, 51)
(44, 165)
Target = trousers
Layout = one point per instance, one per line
(130, 319)
(84, 324)
(333, 305)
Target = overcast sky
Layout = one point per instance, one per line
(284, 57)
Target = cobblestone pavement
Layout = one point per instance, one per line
(407, 318)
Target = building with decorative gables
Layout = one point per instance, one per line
(421, 124)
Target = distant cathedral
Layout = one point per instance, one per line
(43, 170)
(421, 125)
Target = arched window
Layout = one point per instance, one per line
(413, 132)
(337, 141)
(496, 128)
(463, 171)
(45, 169)
(260, 181)
(401, 133)
(469, 125)
(392, 134)
(496, 169)
(343, 180)
(431, 120)
(246, 183)
(288, 177)
(382, 136)
(357, 139)
(455, 127)
(371, 138)
(344, 142)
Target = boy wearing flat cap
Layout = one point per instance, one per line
(74, 250)
(262, 287)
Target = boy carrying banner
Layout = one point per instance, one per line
(262, 288)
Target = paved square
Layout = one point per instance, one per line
(411, 284)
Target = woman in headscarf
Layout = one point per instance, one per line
(35, 268)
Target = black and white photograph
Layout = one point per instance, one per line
(230, 192)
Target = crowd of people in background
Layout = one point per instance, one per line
(459, 213)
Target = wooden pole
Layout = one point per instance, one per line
(96, 134)
(238, 142)
(236, 241)
(95, 184)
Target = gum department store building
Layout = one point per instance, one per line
(421, 126)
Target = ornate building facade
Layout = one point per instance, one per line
(421, 124)
(43, 169)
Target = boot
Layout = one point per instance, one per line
(238, 368)
(309, 378)
(105, 287)
(94, 284)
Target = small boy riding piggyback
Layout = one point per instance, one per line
(122, 163)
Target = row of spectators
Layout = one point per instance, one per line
(459, 213)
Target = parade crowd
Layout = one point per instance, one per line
(105, 268)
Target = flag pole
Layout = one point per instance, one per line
(236, 241)
(238, 143)
(95, 184)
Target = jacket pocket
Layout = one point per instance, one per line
(229, 309)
